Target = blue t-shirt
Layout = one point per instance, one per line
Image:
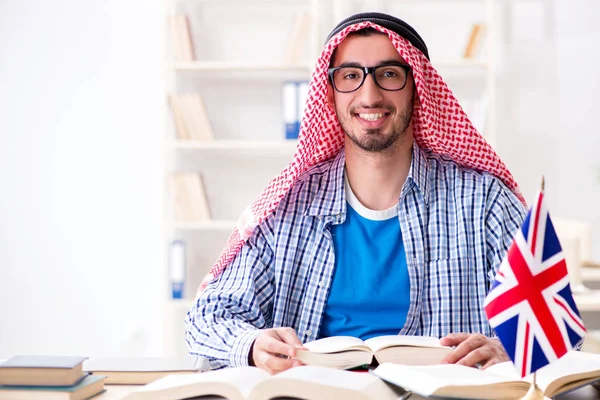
(370, 292)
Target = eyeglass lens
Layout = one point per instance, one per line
(348, 79)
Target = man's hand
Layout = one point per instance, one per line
(473, 348)
(274, 348)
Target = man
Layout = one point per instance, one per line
(381, 224)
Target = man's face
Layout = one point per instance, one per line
(374, 119)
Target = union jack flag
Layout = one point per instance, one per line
(530, 305)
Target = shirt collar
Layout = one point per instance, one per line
(418, 175)
(330, 200)
(331, 197)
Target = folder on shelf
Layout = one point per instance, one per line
(189, 197)
(302, 98)
(291, 118)
(294, 95)
(181, 38)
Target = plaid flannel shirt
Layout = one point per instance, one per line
(456, 224)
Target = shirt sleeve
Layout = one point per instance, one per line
(227, 316)
(504, 216)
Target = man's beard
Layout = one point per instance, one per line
(374, 140)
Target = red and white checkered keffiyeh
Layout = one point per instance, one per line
(440, 124)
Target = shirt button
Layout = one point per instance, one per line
(308, 332)
(322, 284)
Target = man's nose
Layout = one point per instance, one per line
(370, 93)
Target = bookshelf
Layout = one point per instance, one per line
(208, 226)
(239, 80)
(238, 68)
(216, 69)
(460, 64)
(259, 148)
(589, 274)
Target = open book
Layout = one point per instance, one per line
(345, 352)
(500, 381)
(245, 383)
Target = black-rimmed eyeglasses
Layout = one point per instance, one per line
(392, 77)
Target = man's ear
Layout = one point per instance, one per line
(330, 96)
(416, 99)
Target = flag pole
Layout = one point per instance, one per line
(543, 183)
(534, 392)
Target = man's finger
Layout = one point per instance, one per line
(288, 335)
(477, 356)
(490, 362)
(459, 352)
(274, 346)
(275, 364)
(454, 339)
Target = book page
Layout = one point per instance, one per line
(315, 382)
(224, 382)
(381, 342)
(336, 344)
(506, 369)
(572, 363)
(328, 377)
(425, 380)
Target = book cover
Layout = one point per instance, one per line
(42, 362)
(84, 383)
(138, 364)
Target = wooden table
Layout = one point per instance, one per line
(117, 392)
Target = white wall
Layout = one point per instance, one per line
(548, 99)
(579, 104)
(81, 125)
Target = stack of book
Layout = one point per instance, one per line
(48, 377)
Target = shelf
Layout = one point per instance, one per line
(460, 64)
(270, 2)
(589, 301)
(250, 147)
(244, 70)
(590, 274)
(216, 225)
(229, 67)
(180, 304)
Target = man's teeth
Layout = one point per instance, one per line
(371, 117)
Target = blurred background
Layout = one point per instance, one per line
(102, 104)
